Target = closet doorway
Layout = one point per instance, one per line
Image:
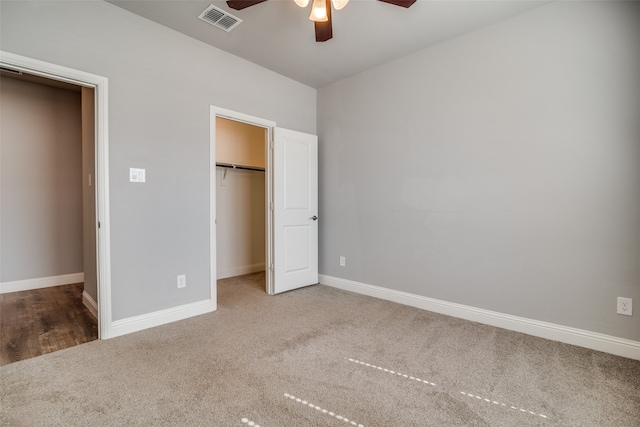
(254, 153)
(241, 152)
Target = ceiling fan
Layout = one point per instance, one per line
(320, 12)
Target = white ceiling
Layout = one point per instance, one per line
(278, 35)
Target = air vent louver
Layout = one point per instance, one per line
(219, 18)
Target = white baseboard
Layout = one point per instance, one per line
(592, 340)
(157, 318)
(41, 282)
(90, 303)
(239, 271)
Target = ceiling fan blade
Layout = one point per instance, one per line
(403, 3)
(324, 30)
(242, 4)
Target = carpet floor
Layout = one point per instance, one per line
(320, 356)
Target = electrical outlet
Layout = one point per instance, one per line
(343, 261)
(625, 306)
(182, 281)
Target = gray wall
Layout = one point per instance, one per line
(40, 156)
(161, 84)
(499, 170)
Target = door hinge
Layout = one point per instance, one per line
(98, 224)
(271, 267)
(271, 206)
(271, 144)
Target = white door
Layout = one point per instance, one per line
(295, 210)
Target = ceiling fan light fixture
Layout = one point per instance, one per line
(338, 4)
(319, 11)
(302, 3)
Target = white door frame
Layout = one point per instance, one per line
(255, 121)
(102, 226)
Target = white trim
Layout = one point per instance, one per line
(213, 266)
(240, 117)
(239, 271)
(592, 340)
(256, 121)
(100, 84)
(162, 317)
(103, 217)
(90, 303)
(40, 282)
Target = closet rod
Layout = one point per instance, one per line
(232, 166)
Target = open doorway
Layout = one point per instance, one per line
(242, 191)
(93, 90)
(49, 284)
(291, 201)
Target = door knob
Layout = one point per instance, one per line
(315, 218)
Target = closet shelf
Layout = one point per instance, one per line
(232, 166)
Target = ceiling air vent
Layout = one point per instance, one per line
(219, 18)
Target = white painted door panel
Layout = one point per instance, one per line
(295, 197)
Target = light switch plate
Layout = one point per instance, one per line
(136, 175)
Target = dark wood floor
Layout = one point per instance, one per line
(41, 321)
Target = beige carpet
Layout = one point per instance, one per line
(320, 357)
